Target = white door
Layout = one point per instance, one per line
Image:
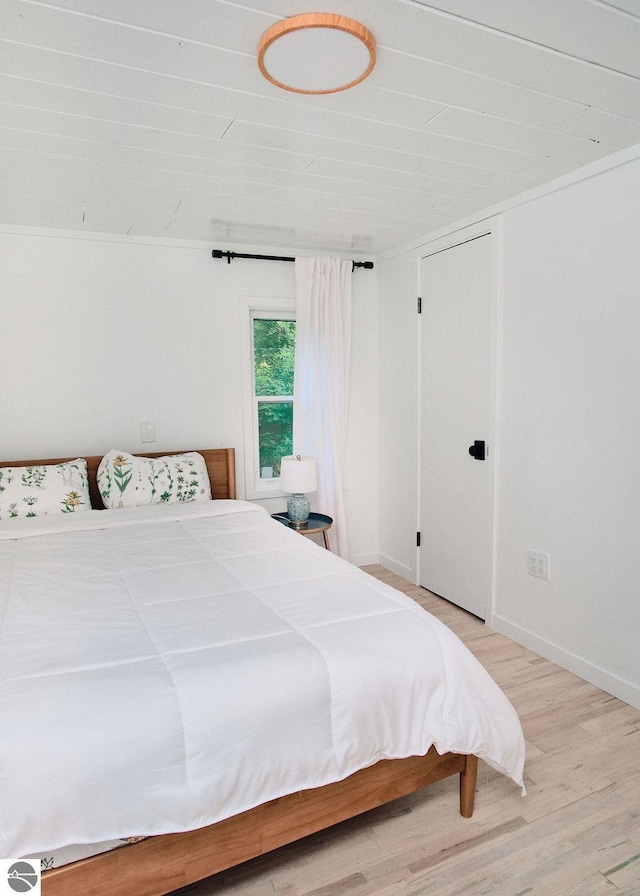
(456, 518)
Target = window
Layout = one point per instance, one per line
(273, 358)
(269, 406)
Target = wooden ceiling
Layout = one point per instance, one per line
(150, 117)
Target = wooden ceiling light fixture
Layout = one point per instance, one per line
(316, 52)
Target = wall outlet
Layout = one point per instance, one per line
(147, 431)
(538, 565)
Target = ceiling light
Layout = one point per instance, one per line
(316, 52)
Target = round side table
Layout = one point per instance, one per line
(318, 523)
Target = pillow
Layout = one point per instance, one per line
(125, 480)
(39, 490)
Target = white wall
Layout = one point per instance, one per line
(569, 482)
(398, 386)
(568, 476)
(101, 333)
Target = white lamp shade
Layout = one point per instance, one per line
(298, 474)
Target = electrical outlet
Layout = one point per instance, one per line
(147, 431)
(538, 565)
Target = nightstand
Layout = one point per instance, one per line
(318, 522)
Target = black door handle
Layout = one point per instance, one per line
(477, 450)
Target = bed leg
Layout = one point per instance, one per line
(468, 779)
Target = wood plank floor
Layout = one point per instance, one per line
(576, 833)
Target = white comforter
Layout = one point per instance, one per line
(166, 667)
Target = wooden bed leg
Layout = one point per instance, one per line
(468, 779)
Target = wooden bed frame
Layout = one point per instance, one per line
(158, 865)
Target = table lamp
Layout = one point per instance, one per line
(298, 475)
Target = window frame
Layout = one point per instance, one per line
(257, 488)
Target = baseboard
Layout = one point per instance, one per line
(399, 568)
(612, 684)
(364, 559)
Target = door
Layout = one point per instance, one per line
(456, 492)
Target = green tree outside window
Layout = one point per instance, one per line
(274, 355)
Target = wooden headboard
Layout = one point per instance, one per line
(221, 466)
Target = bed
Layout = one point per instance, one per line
(204, 743)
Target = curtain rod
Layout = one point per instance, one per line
(218, 253)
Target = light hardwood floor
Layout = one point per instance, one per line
(576, 833)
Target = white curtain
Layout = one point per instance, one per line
(321, 384)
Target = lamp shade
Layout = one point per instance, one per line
(298, 474)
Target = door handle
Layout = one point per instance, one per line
(477, 450)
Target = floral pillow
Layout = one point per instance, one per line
(125, 480)
(40, 490)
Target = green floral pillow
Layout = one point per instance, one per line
(125, 480)
(40, 490)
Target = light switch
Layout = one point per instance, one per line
(147, 431)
